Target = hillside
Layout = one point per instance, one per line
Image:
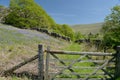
(87, 28)
(17, 45)
(32, 16)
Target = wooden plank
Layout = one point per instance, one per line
(11, 70)
(81, 53)
(40, 63)
(102, 73)
(82, 73)
(83, 61)
(81, 67)
(75, 67)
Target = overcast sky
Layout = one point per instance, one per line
(75, 11)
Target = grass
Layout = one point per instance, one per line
(73, 47)
(87, 28)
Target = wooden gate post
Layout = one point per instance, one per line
(47, 77)
(117, 69)
(40, 63)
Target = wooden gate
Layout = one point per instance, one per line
(71, 65)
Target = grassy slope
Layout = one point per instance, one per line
(87, 28)
(16, 45)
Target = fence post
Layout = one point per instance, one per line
(47, 76)
(117, 69)
(40, 63)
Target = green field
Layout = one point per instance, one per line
(87, 28)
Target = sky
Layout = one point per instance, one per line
(75, 11)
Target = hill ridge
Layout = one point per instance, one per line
(87, 28)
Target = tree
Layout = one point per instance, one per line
(64, 30)
(28, 14)
(111, 27)
(67, 31)
(78, 36)
(3, 12)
